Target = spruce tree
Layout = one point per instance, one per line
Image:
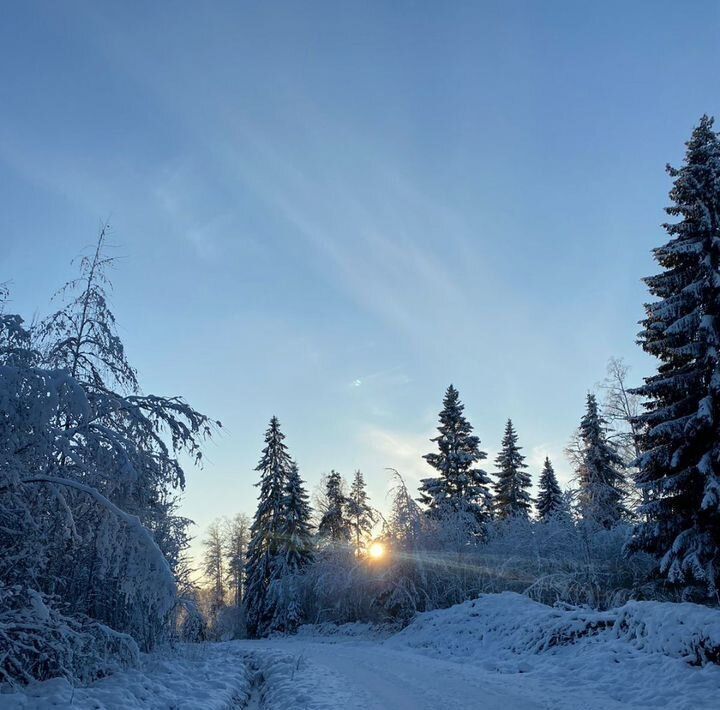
(295, 528)
(550, 498)
(295, 554)
(265, 533)
(679, 467)
(460, 487)
(361, 516)
(334, 524)
(512, 497)
(600, 470)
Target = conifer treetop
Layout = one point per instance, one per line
(601, 470)
(512, 496)
(334, 524)
(461, 486)
(550, 497)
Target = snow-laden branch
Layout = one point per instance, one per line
(132, 520)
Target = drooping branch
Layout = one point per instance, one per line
(132, 520)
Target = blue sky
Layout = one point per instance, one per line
(330, 211)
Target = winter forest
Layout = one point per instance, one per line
(360, 355)
(95, 572)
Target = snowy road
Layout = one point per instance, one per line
(364, 674)
(382, 679)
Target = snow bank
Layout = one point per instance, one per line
(207, 676)
(641, 654)
(520, 625)
(687, 631)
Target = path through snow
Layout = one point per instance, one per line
(366, 675)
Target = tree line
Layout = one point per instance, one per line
(668, 451)
(459, 503)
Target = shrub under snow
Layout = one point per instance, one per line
(38, 641)
(207, 676)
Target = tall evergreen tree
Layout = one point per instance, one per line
(512, 495)
(360, 514)
(334, 524)
(460, 487)
(679, 468)
(295, 553)
(266, 530)
(295, 529)
(600, 470)
(550, 497)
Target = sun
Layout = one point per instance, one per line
(376, 550)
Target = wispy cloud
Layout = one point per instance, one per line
(191, 214)
(365, 228)
(371, 227)
(399, 450)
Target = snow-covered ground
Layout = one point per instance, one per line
(365, 675)
(500, 651)
(202, 676)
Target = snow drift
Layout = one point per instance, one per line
(520, 625)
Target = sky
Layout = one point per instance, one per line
(330, 211)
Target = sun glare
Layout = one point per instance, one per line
(377, 550)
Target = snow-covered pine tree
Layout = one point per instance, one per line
(679, 468)
(550, 498)
(235, 543)
(600, 473)
(334, 525)
(266, 530)
(460, 487)
(295, 527)
(295, 554)
(360, 514)
(512, 497)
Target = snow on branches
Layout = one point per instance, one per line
(88, 466)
